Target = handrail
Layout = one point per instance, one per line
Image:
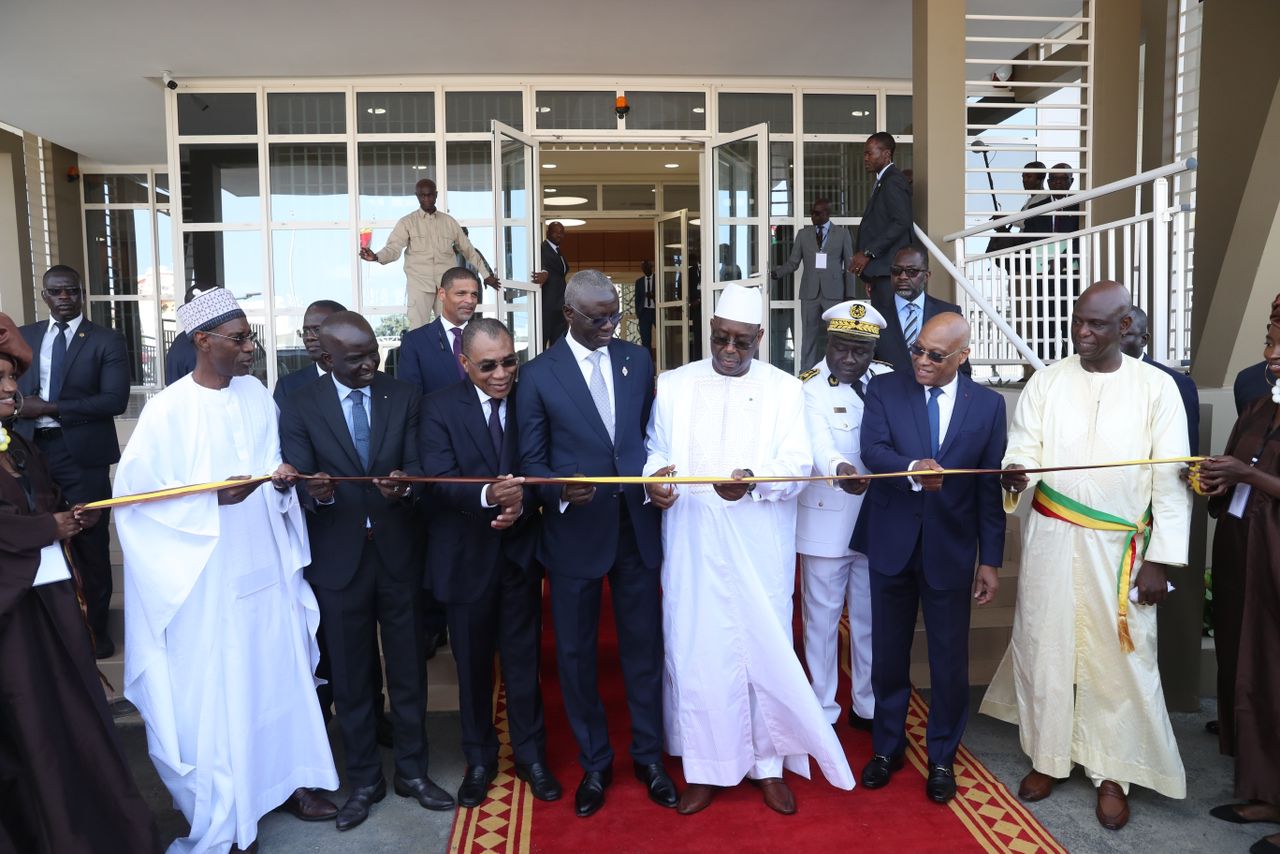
(978, 299)
(1077, 198)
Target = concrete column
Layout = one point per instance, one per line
(1113, 137)
(938, 114)
(16, 290)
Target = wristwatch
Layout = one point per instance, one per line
(751, 487)
(871, 256)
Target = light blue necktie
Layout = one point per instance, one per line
(935, 420)
(600, 392)
(360, 427)
(912, 329)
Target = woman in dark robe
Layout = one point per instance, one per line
(64, 783)
(1245, 487)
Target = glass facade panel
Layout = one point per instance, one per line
(519, 319)
(780, 246)
(309, 182)
(782, 339)
(220, 183)
(469, 171)
(556, 198)
(308, 265)
(740, 110)
(630, 197)
(667, 111)
(736, 252)
(388, 173)
(231, 259)
(382, 285)
(162, 188)
(735, 178)
(840, 114)
(388, 328)
(143, 346)
(514, 203)
(472, 112)
(116, 189)
(678, 197)
(120, 253)
(587, 110)
(834, 170)
(218, 114)
(782, 164)
(306, 112)
(897, 115)
(395, 112)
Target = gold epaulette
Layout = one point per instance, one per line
(882, 363)
(810, 374)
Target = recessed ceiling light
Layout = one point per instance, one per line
(695, 221)
(699, 109)
(544, 109)
(672, 165)
(565, 200)
(548, 165)
(417, 166)
(550, 190)
(857, 114)
(376, 111)
(672, 246)
(571, 223)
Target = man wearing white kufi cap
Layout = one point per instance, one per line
(219, 624)
(736, 701)
(833, 574)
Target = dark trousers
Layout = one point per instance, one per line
(878, 289)
(645, 319)
(553, 327)
(351, 617)
(507, 620)
(895, 600)
(324, 691)
(92, 548)
(637, 611)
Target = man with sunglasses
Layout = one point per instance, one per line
(582, 407)
(77, 385)
(908, 307)
(921, 536)
(480, 542)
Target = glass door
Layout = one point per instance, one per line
(739, 218)
(671, 233)
(515, 174)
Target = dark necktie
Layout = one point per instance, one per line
(495, 426)
(57, 363)
(457, 350)
(935, 420)
(820, 233)
(360, 427)
(858, 388)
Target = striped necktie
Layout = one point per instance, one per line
(912, 329)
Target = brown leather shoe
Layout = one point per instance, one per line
(695, 797)
(1036, 786)
(777, 794)
(1113, 806)
(309, 805)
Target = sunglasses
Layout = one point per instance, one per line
(911, 272)
(599, 322)
(238, 340)
(488, 366)
(932, 355)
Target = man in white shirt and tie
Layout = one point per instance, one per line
(826, 251)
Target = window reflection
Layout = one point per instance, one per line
(388, 173)
(469, 169)
(307, 265)
(120, 252)
(220, 183)
(309, 183)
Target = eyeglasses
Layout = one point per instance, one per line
(63, 292)
(238, 340)
(740, 344)
(600, 322)
(911, 272)
(309, 332)
(488, 366)
(933, 356)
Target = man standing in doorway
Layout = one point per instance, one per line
(826, 251)
(646, 305)
(429, 239)
(77, 385)
(552, 278)
(886, 220)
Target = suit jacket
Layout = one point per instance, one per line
(463, 552)
(892, 346)
(426, 358)
(1251, 383)
(886, 222)
(292, 381)
(1190, 401)
(180, 360)
(95, 389)
(651, 294)
(557, 268)
(965, 516)
(314, 437)
(831, 283)
(561, 434)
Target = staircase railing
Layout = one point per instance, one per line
(1018, 290)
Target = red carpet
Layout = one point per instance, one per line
(983, 817)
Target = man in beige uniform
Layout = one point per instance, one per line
(429, 239)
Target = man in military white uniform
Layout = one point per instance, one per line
(833, 574)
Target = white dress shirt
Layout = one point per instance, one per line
(46, 360)
(946, 406)
(582, 355)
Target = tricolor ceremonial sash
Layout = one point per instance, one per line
(1049, 502)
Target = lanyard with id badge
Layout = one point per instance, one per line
(820, 257)
(1240, 495)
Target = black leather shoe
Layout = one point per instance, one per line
(475, 785)
(103, 647)
(356, 809)
(877, 772)
(661, 790)
(858, 722)
(590, 795)
(428, 794)
(941, 785)
(542, 784)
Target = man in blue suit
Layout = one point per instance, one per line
(926, 532)
(429, 359)
(582, 408)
